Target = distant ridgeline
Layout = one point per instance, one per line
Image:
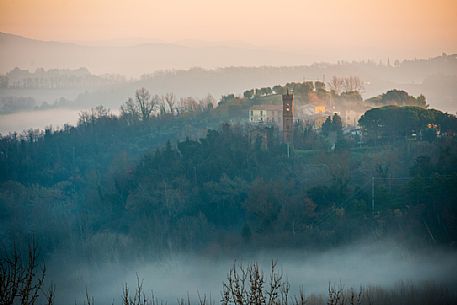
(56, 78)
(25, 90)
(173, 175)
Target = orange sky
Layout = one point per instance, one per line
(357, 27)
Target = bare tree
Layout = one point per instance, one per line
(336, 84)
(145, 103)
(94, 114)
(353, 83)
(141, 107)
(208, 102)
(189, 104)
(21, 280)
(129, 110)
(170, 100)
(247, 286)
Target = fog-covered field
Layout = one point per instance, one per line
(383, 264)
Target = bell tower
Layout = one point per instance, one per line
(287, 117)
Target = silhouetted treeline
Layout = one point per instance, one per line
(56, 78)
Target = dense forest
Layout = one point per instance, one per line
(200, 179)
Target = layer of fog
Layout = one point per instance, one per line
(382, 264)
(440, 91)
(40, 119)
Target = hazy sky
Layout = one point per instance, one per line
(354, 27)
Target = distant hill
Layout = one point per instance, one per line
(436, 79)
(26, 53)
(221, 70)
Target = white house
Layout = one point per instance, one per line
(268, 114)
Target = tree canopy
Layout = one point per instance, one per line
(398, 98)
(392, 122)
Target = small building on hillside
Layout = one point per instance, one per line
(312, 114)
(281, 116)
(266, 114)
(309, 110)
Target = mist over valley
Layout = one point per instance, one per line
(228, 152)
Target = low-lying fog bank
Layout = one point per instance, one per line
(381, 264)
(38, 119)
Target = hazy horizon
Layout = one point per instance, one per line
(308, 56)
(163, 142)
(319, 31)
